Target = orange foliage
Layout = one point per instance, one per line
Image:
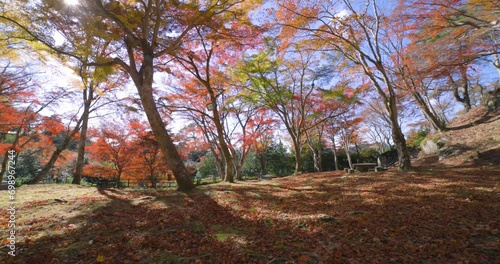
(97, 170)
(127, 151)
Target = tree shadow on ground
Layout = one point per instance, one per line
(166, 228)
(424, 216)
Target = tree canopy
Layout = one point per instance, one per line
(228, 80)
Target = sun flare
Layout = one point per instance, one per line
(72, 2)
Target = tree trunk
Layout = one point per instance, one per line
(88, 95)
(226, 153)
(315, 161)
(55, 155)
(229, 170)
(218, 162)
(464, 98)
(220, 168)
(316, 152)
(347, 142)
(118, 178)
(298, 157)
(403, 154)
(239, 173)
(262, 162)
(335, 158)
(318, 160)
(348, 155)
(167, 146)
(229, 167)
(240, 163)
(436, 122)
(237, 164)
(390, 101)
(358, 152)
(398, 136)
(174, 161)
(4, 165)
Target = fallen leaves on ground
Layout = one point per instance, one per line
(440, 215)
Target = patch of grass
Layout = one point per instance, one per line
(222, 236)
(222, 233)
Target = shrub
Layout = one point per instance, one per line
(208, 166)
(27, 166)
(251, 167)
(279, 161)
(415, 138)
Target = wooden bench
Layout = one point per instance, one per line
(100, 182)
(364, 167)
(266, 177)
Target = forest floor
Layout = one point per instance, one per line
(437, 214)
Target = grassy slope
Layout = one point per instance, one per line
(477, 137)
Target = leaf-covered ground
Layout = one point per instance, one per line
(439, 215)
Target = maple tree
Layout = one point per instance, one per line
(136, 34)
(69, 132)
(192, 104)
(100, 171)
(410, 73)
(147, 162)
(14, 83)
(260, 146)
(331, 132)
(29, 123)
(358, 35)
(464, 35)
(205, 60)
(465, 30)
(233, 89)
(200, 66)
(285, 84)
(96, 82)
(348, 129)
(314, 140)
(20, 118)
(325, 116)
(188, 62)
(378, 128)
(114, 144)
(255, 127)
(126, 151)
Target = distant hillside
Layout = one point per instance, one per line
(473, 140)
